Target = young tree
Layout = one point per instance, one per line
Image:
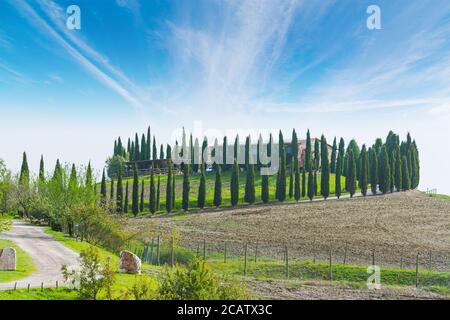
(333, 157)
(152, 196)
(250, 185)
(202, 188)
(307, 163)
(125, 204)
(310, 185)
(325, 167)
(351, 173)
(186, 187)
(363, 180)
(218, 186)
(234, 184)
(338, 175)
(141, 205)
(119, 192)
(135, 192)
(384, 172)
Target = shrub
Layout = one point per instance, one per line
(198, 282)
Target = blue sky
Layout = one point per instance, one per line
(244, 66)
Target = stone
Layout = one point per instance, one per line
(129, 263)
(8, 259)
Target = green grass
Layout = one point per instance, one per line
(210, 180)
(440, 196)
(24, 263)
(37, 294)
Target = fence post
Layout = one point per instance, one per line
(256, 251)
(430, 262)
(331, 268)
(28, 288)
(42, 286)
(417, 271)
(373, 257)
(314, 251)
(57, 284)
(245, 259)
(225, 253)
(15, 286)
(204, 249)
(151, 251)
(198, 249)
(158, 250)
(287, 261)
(401, 259)
(172, 253)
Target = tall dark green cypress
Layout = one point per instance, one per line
(103, 188)
(24, 178)
(291, 180)
(405, 174)
(398, 169)
(351, 173)
(265, 188)
(303, 182)
(333, 157)
(363, 180)
(281, 187)
(234, 184)
(137, 154)
(307, 163)
(315, 183)
(202, 188)
(142, 204)
(218, 186)
(310, 184)
(338, 188)
(392, 170)
(325, 167)
(158, 194)
(119, 192)
(125, 204)
(135, 192)
(294, 150)
(186, 187)
(111, 191)
(143, 147)
(384, 172)
(374, 172)
(415, 164)
(41, 170)
(224, 153)
(155, 149)
(316, 155)
(297, 184)
(250, 185)
(173, 191)
(152, 196)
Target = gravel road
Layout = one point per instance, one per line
(47, 254)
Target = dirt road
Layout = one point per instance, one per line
(47, 254)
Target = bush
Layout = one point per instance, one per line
(198, 282)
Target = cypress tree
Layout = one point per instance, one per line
(392, 170)
(234, 184)
(250, 185)
(111, 191)
(158, 194)
(168, 152)
(143, 148)
(173, 191)
(161, 152)
(125, 204)
(351, 173)
(307, 163)
(333, 157)
(137, 155)
(281, 190)
(247, 152)
(103, 188)
(384, 174)
(325, 167)
(141, 204)
(73, 184)
(415, 177)
(202, 188)
(297, 185)
(310, 185)
(41, 170)
(119, 192)
(374, 172)
(152, 196)
(294, 147)
(363, 181)
(89, 176)
(218, 187)
(24, 178)
(405, 174)
(224, 153)
(338, 175)
(135, 192)
(186, 187)
(398, 169)
(265, 188)
(316, 155)
(303, 182)
(291, 181)
(155, 150)
(315, 183)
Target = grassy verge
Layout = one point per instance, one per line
(24, 263)
(37, 294)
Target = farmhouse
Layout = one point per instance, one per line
(302, 150)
